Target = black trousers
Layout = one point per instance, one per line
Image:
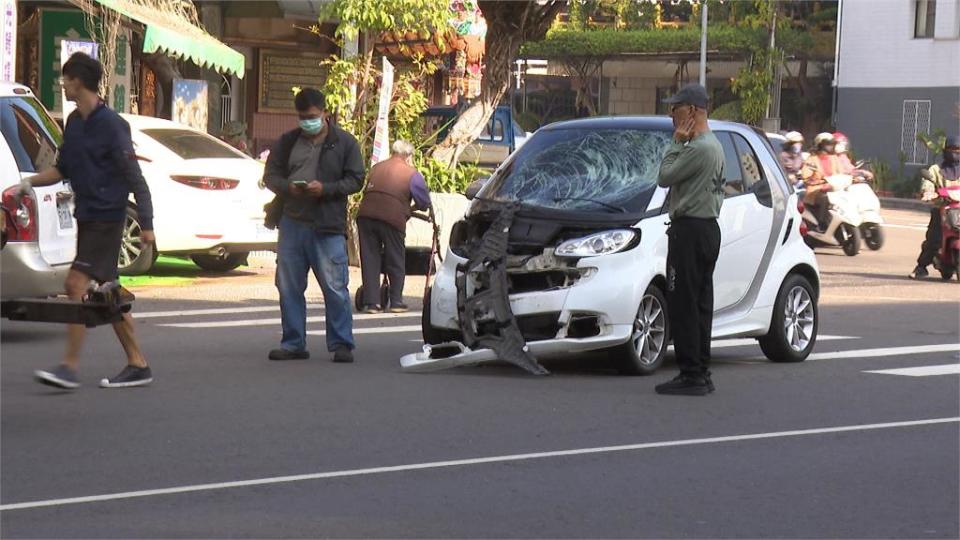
(931, 245)
(693, 248)
(382, 251)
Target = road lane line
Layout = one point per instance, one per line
(723, 343)
(275, 322)
(374, 330)
(873, 353)
(466, 462)
(216, 311)
(923, 371)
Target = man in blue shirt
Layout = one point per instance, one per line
(97, 156)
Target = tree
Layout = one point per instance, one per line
(509, 25)
(352, 83)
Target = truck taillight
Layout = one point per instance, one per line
(207, 182)
(21, 216)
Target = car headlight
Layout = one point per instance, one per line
(597, 244)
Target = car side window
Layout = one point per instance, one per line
(31, 135)
(749, 164)
(492, 131)
(733, 175)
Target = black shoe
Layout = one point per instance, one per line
(343, 355)
(686, 385)
(710, 386)
(129, 377)
(60, 377)
(919, 272)
(370, 309)
(284, 354)
(398, 307)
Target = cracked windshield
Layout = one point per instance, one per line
(607, 170)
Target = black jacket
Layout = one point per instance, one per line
(340, 169)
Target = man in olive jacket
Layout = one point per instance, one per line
(314, 168)
(693, 170)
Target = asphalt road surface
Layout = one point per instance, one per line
(860, 441)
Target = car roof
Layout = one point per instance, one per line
(149, 122)
(10, 89)
(659, 123)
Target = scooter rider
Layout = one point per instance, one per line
(846, 166)
(816, 169)
(944, 175)
(792, 157)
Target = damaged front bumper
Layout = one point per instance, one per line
(456, 354)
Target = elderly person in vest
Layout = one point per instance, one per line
(382, 222)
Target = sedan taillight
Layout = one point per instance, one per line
(21, 216)
(207, 182)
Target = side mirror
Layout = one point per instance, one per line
(471, 192)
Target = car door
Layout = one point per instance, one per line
(746, 219)
(492, 146)
(34, 138)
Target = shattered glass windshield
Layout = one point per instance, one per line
(598, 170)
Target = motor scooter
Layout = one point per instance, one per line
(947, 260)
(871, 226)
(843, 230)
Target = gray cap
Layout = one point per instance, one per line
(953, 141)
(691, 94)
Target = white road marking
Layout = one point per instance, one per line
(923, 371)
(466, 462)
(276, 322)
(217, 311)
(873, 353)
(724, 343)
(375, 330)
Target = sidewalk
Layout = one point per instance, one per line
(904, 204)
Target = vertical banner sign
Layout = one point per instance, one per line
(190, 103)
(120, 78)
(67, 48)
(8, 46)
(381, 140)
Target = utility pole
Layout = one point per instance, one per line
(703, 43)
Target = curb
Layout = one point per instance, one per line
(904, 204)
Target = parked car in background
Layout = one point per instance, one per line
(501, 136)
(207, 200)
(39, 232)
(586, 248)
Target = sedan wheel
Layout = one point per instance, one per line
(135, 256)
(644, 353)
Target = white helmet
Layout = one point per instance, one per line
(794, 137)
(823, 138)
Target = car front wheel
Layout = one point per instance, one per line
(793, 330)
(644, 352)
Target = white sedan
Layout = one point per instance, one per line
(207, 202)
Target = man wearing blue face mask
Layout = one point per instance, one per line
(313, 169)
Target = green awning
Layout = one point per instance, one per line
(172, 34)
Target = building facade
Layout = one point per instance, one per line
(897, 76)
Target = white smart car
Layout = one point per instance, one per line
(582, 259)
(207, 202)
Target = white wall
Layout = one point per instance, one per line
(878, 50)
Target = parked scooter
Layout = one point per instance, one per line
(947, 260)
(843, 230)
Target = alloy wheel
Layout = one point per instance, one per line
(132, 245)
(649, 330)
(798, 320)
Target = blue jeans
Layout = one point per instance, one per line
(300, 249)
